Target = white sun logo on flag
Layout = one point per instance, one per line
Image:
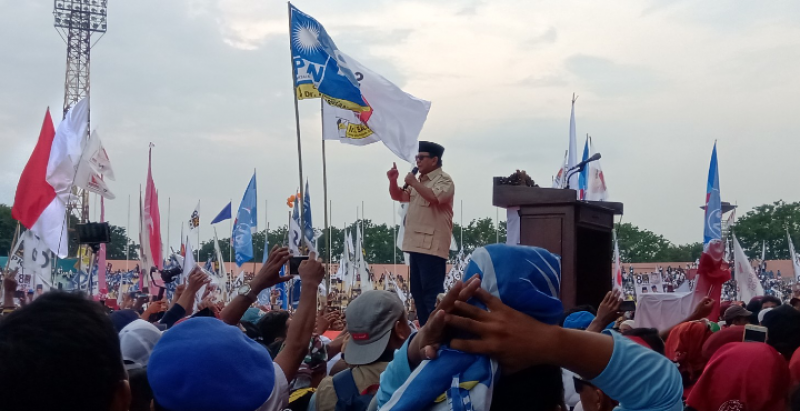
(306, 38)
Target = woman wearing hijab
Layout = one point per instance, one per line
(744, 377)
(685, 347)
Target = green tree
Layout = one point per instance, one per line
(639, 245)
(7, 228)
(478, 233)
(115, 250)
(769, 223)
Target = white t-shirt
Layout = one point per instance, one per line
(279, 398)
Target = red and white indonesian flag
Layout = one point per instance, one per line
(395, 117)
(45, 186)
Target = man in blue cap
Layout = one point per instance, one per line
(428, 224)
(205, 364)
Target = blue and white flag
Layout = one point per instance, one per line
(308, 228)
(281, 287)
(223, 215)
(712, 228)
(245, 225)
(320, 69)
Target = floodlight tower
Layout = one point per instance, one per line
(76, 21)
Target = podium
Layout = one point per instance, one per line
(578, 231)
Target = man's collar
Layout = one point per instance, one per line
(433, 174)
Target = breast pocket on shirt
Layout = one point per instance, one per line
(424, 237)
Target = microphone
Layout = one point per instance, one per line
(413, 171)
(583, 163)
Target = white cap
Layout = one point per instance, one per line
(762, 313)
(136, 342)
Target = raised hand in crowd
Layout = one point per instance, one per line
(154, 307)
(426, 344)
(177, 294)
(323, 323)
(607, 312)
(197, 279)
(269, 275)
(295, 346)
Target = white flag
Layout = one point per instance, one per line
(35, 262)
(93, 164)
(572, 157)
(596, 189)
(194, 220)
(221, 272)
(398, 290)
(749, 285)
(795, 263)
(396, 117)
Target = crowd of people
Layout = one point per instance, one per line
(501, 340)
(670, 279)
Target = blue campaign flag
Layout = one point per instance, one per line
(223, 215)
(281, 287)
(319, 66)
(245, 225)
(712, 229)
(583, 177)
(308, 227)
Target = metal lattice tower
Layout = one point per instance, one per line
(76, 21)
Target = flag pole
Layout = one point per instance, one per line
(198, 231)
(497, 225)
(296, 113)
(230, 224)
(325, 192)
(169, 212)
(394, 237)
(462, 225)
(330, 249)
(127, 236)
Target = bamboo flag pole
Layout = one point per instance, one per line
(330, 248)
(394, 236)
(296, 113)
(128, 235)
(230, 243)
(169, 212)
(198, 232)
(325, 192)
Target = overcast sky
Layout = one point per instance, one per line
(209, 83)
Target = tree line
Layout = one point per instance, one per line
(765, 224)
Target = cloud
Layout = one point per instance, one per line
(604, 77)
(208, 81)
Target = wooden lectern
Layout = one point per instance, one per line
(578, 231)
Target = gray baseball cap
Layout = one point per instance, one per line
(370, 320)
